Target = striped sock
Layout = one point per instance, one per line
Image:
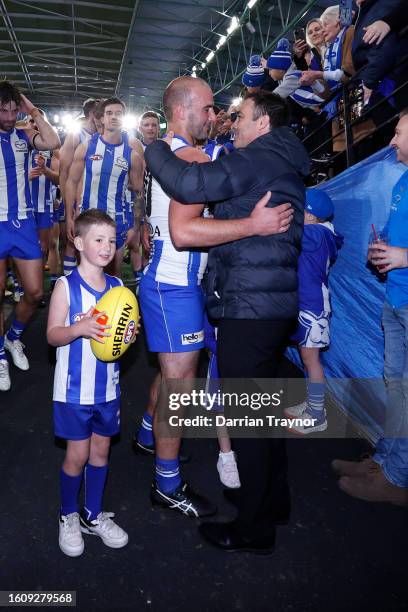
(15, 330)
(145, 433)
(69, 264)
(167, 474)
(315, 399)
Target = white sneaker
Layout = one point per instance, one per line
(228, 470)
(16, 351)
(70, 539)
(103, 526)
(5, 382)
(295, 411)
(305, 422)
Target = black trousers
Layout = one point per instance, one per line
(251, 349)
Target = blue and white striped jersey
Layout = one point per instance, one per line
(167, 264)
(106, 176)
(80, 377)
(15, 197)
(40, 186)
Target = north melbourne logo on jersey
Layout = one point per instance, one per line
(21, 145)
(95, 157)
(122, 163)
(192, 338)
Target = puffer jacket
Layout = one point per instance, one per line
(377, 61)
(256, 277)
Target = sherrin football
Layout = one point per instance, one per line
(122, 313)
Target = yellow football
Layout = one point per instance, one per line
(122, 314)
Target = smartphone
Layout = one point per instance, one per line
(300, 34)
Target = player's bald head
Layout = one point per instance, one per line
(180, 92)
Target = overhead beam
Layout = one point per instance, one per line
(17, 48)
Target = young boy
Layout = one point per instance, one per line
(320, 244)
(86, 390)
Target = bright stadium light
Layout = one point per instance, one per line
(130, 121)
(233, 25)
(236, 101)
(67, 119)
(203, 65)
(251, 3)
(210, 56)
(221, 41)
(163, 126)
(56, 118)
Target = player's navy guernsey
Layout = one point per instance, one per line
(15, 197)
(320, 244)
(80, 377)
(106, 174)
(40, 186)
(166, 264)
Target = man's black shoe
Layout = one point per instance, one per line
(226, 537)
(280, 515)
(183, 499)
(142, 449)
(150, 449)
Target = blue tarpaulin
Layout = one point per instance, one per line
(354, 362)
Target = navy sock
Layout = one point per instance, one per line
(95, 479)
(145, 433)
(167, 474)
(69, 486)
(15, 330)
(315, 399)
(2, 351)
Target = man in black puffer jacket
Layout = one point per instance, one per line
(252, 287)
(379, 60)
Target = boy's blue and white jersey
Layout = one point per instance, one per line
(40, 186)
(15, 197)
(106, 175)
(167, 264)
(80, 377)
(320, 245)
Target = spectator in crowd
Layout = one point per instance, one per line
(338, 63)
(384, 477)
(254, 76)
(377, 53)
(309, 53)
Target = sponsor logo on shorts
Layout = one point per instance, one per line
(122, 163)
(129, 332)
(192, 338)
(21, 145)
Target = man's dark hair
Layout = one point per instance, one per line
(150, 114)
(90, 217)
(268, 103)
(404, 112)
(9, 93)
(89, 106)
(110, 101)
